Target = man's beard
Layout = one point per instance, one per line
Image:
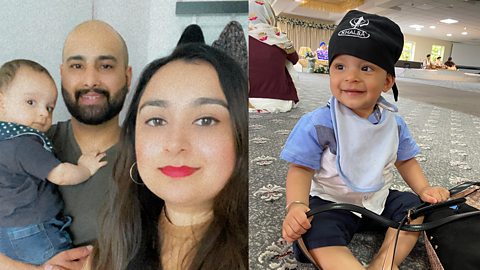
(95, 114)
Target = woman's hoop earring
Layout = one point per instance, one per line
(131, 175)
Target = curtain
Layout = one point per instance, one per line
(305, 33)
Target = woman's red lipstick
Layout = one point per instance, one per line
(177, 172)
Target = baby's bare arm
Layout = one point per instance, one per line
(70, 174)
(412, 173)
(299, 179)
(295, 224)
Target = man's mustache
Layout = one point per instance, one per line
(100, 91)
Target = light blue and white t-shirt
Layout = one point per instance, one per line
(313, 143)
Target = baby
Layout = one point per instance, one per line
(32, 226)
(345, 152)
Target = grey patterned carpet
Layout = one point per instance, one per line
(449, 144)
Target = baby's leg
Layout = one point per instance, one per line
(396, 207)
(405, 244)
(329, 236)
(336, 257)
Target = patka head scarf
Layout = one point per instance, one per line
(370, 37)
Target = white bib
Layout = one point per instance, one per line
(364, 149)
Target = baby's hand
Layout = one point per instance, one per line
(295, 223)
(92, 161)
(434, 194)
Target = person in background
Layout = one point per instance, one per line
(322, 51)
(427, 63)
(180, 195)
(271, 59)
(438, 63)
(232, 41)
(450, 64)
(192, 34)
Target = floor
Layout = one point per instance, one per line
(445, 123)
(461, 101)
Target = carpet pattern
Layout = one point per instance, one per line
(449, 155)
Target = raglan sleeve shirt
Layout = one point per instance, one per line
(303, 146)
(407, 147)
(307, 141)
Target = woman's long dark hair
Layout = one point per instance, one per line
(128, 235)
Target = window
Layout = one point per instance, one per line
(437, 51)
(408, 51)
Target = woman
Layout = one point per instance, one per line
(182, 169)
(271, 59)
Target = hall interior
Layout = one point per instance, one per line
(440, 107)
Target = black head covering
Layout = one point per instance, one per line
(232, 41)
(370, 37)
(192, 33)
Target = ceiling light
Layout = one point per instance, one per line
(449, 35)
(432, 27)
(416, 26)
(449, 21)
(464, 33)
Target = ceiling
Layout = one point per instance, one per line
(405, 13)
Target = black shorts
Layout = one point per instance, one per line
(336, 228)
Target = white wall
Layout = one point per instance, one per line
(36, 30)
(466, 55)
(423, 46)
(166, 27)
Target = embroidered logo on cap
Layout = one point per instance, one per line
(355, 31)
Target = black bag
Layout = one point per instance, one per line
(452, 228)
(455, 245)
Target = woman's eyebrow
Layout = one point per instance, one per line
(205, 100)
(155, 103)
(197, 102)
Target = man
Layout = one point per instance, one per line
(95, 80)
(427, 63)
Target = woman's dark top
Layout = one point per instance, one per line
(268, 75)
